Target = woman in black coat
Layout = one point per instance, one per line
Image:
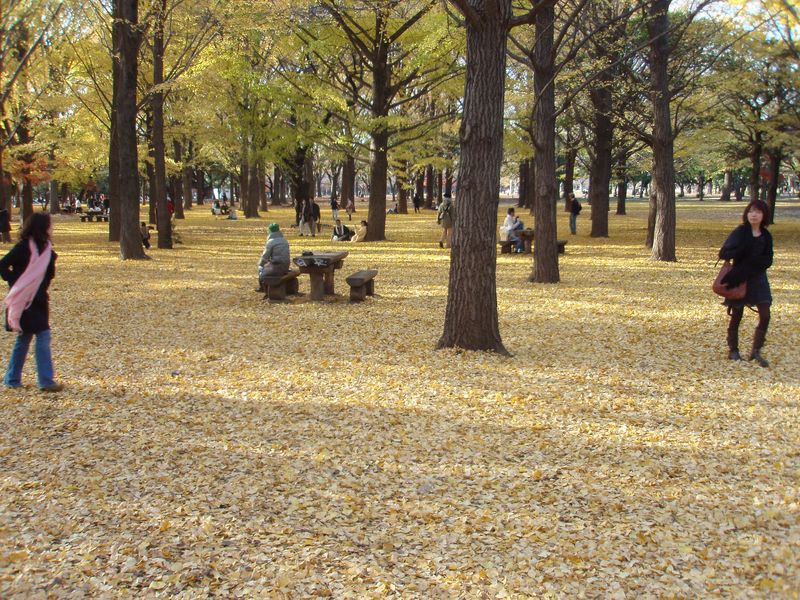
(750, 248)
(35, 319)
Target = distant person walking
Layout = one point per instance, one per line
(445, 218)
(29, 268)
(334, 208)
(574, 210)
(417, 201)
(749, 246)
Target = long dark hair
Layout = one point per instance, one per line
(761, 206)
(36, 228)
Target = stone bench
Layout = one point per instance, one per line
(362, 284)
(279, 286)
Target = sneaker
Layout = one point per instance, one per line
(53, 387)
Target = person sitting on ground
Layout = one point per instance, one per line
(232, 216)
(392, 211)
(361, 233)
(341, 233)
(275, 258)
(215, 209)
(145, 234)
(510, 228)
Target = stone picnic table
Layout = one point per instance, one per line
(320, 267)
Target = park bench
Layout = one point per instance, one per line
(279, 286)
(89, 216)
(507, 245)
(361, 284)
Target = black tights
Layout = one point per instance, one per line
(763, 317)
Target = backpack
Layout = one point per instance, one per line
(578, 207)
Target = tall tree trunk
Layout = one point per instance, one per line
(600, 176)
(652, 211)
(159, 188)
(439, 186)
(569, 176)
(151, 184)
(622, 182)
(775, 158)
(24, 137)
(176, 183)
(377, 187)
(448, 182)
(663, 183)
(727, 186)
(244, 180)
(545, 253)
(756, 151)
(429, 186)
(130, 242)
(524, 180)
(701, 185)
(114, 219)
(251, 206)
(348, 180)
(262, 187)
(471, 315)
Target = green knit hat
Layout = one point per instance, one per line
(273, 227)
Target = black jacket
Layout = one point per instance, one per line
(37, 317)
(750, 259)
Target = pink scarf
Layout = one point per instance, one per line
(21, 294)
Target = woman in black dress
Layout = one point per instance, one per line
(750, 248)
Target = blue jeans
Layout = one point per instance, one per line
(573, 223)
(44, 360)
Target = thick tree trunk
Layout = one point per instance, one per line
(429, 186)
(377, 187)
(524, 182)
(26, 206)
(176, 184)
(652, 211)
(159, 188)
(663, 184)
(772, 190)
(448, 182)
(600, 175)
(151, 200)
(471, 316)
(701, 186)
(244, 180)
(130, 242)
(569, 176)
(622, 182)
(545, 253)
(439, 186)
(262, 187)
(727, 187)
(348, 181)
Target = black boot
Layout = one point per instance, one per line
(758, 343)
(733, 344)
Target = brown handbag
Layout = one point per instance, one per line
(735, 293)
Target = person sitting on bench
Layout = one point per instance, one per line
(509, 229)
(361, 233)
(275, 258)
(341, 233)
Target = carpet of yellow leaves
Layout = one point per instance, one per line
(211, 443)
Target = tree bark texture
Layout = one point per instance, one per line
(663, 183)
(601, 158)
(727, 187)
(428, 187)
(772, 190)
(569, 176)
(130, 242)
(377, 187)
(471, 319)
(159, 189)
(545, 252)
